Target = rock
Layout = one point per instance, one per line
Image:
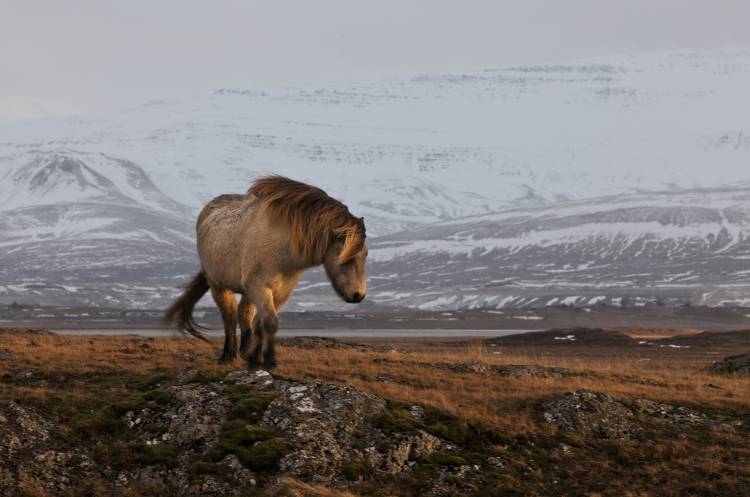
(465, 367)
(733, 365)
(506, 370)
(592, 413)
(199, 438)
(197, 420)
(6, 354)
(466, 477)
(258, 379)
(597, 414)
(525, 371)
(332, 426)
(417, 412)
(238, 471)
(20, 428)
(186, 376)
(20, 375)
(676, 415)
(326, 433)
(26, 460)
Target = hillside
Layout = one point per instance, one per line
(616, 177)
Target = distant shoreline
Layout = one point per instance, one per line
(484, 320)
(311, 332)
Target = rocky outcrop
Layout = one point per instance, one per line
(333, 428)
(600, 415)
(738, 365)
(508, 370)
(210, 435)
(502, 370)
(592, 414)
(27, 462)
(213, 434)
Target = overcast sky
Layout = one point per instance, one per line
(71, 56)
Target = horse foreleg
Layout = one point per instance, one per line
(270, 327)
(228, 307)
(265, 325)
(245, 314)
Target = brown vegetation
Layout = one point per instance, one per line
(461, 380)
(404, 376)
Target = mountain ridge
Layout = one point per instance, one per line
(634, 151)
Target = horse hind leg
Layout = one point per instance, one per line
(227, 304)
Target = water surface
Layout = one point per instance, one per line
(313, 332)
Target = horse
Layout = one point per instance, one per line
(258, 245)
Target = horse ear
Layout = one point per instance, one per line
(353, 243)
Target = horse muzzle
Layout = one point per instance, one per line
(357, 298)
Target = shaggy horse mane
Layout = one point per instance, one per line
(314, 219)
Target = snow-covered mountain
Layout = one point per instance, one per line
(571, 162)
(87, 228)
(655, 248)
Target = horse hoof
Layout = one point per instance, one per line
(253, 364)
(269, 365)
(226, 359)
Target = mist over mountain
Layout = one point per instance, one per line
(617, 180)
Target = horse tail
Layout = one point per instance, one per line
(180, 313)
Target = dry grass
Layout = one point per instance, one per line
(505, 403)
(289, 487)
(80, 372)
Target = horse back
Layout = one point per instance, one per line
(224, 209)
(221, 237)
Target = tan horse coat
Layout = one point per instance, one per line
(258, 245)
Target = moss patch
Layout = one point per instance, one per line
(142, 400)
(445, 459)
(356, 471)
(208, 376)
(123, 455)
(397, 418)
(249, 406)
(198, 469)
(258, 455)
(260, 448)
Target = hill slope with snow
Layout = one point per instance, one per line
(647, 150)
(636, 249)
